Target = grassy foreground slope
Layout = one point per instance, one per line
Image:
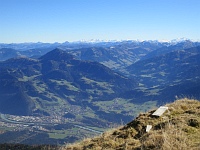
(178, 128)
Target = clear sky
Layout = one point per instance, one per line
(73, 20)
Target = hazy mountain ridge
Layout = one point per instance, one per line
(169, 75)
(114, 54)
(172, 47)
(116, 57)
(170, 64)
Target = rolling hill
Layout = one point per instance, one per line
(55, 82)
(168, 75)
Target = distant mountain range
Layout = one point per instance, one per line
(114, 54)
(155, 68)
(96, 83)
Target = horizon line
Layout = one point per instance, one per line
(113, 40)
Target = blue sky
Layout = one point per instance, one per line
(73, 20)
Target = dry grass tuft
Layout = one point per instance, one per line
(177, 129)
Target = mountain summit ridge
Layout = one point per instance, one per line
(177, 128)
